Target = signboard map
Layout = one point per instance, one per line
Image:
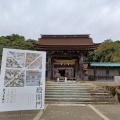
(22, 84)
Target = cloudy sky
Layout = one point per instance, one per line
(30, 18)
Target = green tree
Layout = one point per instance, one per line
(108, 51)
(17, 42)
(22, 45)
(94, 56)
(15, 37)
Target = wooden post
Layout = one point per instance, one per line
(76, 70)
(49, 67)
(52, 69)
(95, 78)
(81, 66)
(119, 71)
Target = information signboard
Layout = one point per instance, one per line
(22, 83)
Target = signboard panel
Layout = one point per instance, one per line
(22, 84)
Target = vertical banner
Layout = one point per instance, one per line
(22, 83)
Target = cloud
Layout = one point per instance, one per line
(31, 18)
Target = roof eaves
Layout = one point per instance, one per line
(105, 64)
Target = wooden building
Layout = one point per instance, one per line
(103, 70)
(66, 55)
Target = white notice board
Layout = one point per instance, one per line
(22, 83)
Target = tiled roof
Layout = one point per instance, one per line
(94, 46)
(109, 64)
(66, 42)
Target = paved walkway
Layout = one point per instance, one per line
(18, 115)
(110, 111)
(67, 112)
(81, 112)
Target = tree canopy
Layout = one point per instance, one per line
(108, 51)
(15, 41)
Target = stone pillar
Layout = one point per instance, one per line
(49, 67)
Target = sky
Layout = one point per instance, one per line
(30, 18)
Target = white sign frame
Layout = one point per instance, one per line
(22, 84)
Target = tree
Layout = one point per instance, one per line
(15, 37)
(22, 45)
(17, 42)
(108, 51)
(94, 56)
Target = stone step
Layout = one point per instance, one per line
(63, 82)
(68, 96)
(61, 92)
(67, 86)
(66, 89)
(87, 87)
(85, 102)
(112, 100)
(66, 93)
(99, 93)
(74, 90)
(66, 83)
(70, 99)
(78, 95)
(75, 96)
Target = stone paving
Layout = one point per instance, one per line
(112, 112)
(67, 112)
(18, 115)
(79, 112)
(56, 112)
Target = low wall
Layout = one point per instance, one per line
(117, 80)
